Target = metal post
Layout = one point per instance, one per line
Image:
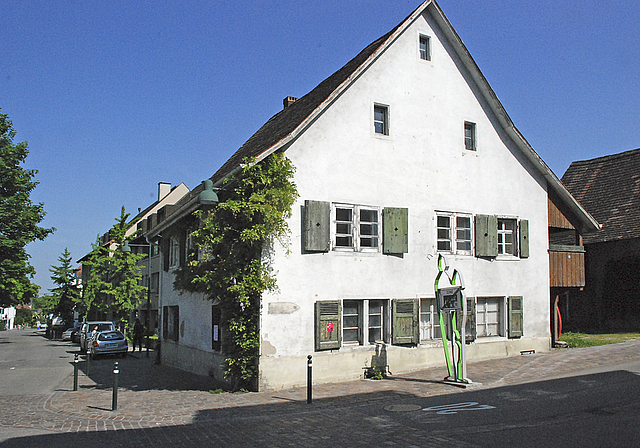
(309, 379)
(75, 372)
(114, 401)
(88, 361)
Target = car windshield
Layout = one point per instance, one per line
(111, 335)
(105, 327)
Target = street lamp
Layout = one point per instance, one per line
(126, 247)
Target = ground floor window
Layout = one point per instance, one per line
(170, 322)
(429, 320)
(365, 321)
(490, 316)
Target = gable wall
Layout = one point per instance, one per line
(421, 165)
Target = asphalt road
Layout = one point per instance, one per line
(32, 365)
(594, 410)
(573, 398)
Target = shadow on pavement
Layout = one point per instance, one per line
(583, 411)
(139, 372)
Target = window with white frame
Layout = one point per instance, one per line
(429, 320)
(365, 321)
(356, 228)
(425, 47)
(377, 319)
(381, 119)
(470, 136)
(454, 233)
(351, 321)
(174, 252)
(490, 316)
(507, 236)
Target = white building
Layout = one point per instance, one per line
(403, 154)
(8, 315)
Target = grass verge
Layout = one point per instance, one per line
(591, 340)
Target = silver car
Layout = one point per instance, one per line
(86, 332)
(108, 343)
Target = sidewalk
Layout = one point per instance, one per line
(154, 396)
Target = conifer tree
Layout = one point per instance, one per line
(65, 295)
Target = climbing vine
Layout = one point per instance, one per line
(233, 242)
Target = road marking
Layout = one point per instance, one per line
(454, 408)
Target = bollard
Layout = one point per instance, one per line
(114, 400)
(75, 372)
(309, 379)
(88, 361)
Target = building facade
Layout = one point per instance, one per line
(402, 155)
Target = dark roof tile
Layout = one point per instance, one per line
(609, 188)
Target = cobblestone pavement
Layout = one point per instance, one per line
(167, 407)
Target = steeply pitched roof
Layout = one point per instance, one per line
(284, 123)
(609, 188)
(284, 127)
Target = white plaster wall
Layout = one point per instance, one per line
(421, 165)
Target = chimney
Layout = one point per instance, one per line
(164, 188)
(288, 101)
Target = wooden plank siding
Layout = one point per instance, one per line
(556, 218)
(566, 268)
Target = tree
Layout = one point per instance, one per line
(114, 278)
(234, 269)
(65, 295)
(19, 219)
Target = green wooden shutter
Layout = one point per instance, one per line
(395, 228)
(470, 325)
(317, 226)
(406, 321)
(486, 228)
(328, 329)
(524, 238)
(515, 317)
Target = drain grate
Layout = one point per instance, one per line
(403, 407)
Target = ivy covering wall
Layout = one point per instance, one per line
(229, 259)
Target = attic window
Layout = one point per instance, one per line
(425, 48)
(381, 119)
(469, 136)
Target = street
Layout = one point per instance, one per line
(578, 397)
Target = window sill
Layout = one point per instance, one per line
(487, 339)
(507, 258)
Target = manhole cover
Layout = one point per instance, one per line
(403, 407)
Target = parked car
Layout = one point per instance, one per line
(67, 335)
(75, 336)
(88, 327)
(108, 342)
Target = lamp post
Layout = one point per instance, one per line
(126, 247)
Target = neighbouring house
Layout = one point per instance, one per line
(148, 309)
(8, 317)
(403, 154)
(609, 188)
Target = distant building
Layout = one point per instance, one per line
(609, 188)
(148, 309)
(8, 316)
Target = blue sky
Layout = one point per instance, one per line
(114, 97)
